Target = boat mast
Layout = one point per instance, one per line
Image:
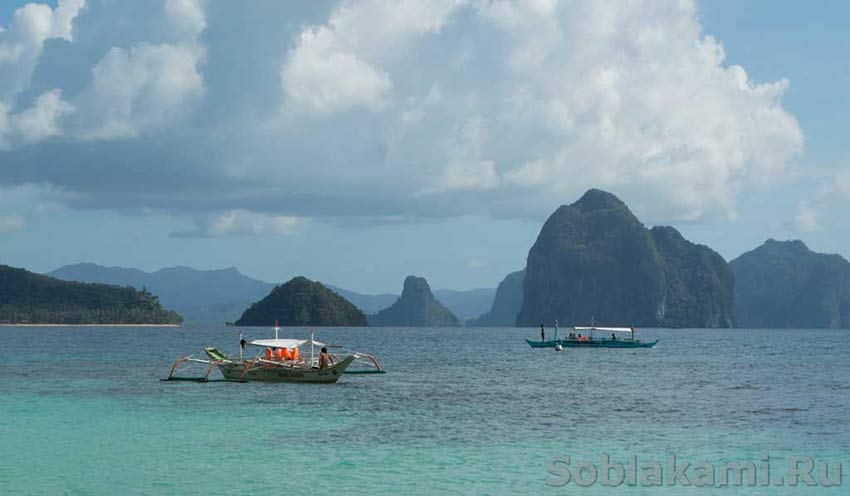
(276, 328)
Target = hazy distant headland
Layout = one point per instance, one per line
(506, 303)
(592, 261)
(783, 284)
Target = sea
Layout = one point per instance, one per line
(466, 411)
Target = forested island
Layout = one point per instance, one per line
(29, 298)
(302, 302)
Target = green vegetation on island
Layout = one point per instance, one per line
(416, 307)
(28, 298)
(302, 302)
(783, 284)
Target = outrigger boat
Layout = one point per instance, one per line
(279, 360)
(583, 338)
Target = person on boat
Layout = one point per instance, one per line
(324, 359)
(613, 337)
(580, 338)
(542, 333)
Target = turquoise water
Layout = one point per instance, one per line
(471, 411)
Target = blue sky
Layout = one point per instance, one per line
(356, 144)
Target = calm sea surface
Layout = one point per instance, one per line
(460, 411)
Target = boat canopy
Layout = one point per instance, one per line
(608, 329)
(284, 343)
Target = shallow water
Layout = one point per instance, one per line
(460, 411)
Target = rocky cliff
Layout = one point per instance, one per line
(595, 261)
(416, 307)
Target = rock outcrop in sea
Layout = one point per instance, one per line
(302, 302)
(506, 304)
(416, 307)
(595, 261)
(783, 284)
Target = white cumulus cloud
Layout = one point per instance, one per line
(402, 109)
(22, 43)
(142, 87)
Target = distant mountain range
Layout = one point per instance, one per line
(201, 296)
(366, 302)
(592, 261)
(217, 296)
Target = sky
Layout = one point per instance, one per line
(358, 142)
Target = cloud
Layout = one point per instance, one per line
(37, 123)
(475, 264)
(326, 79)
(830, 202)
(807, 218)
(396, 110)
(244, 223)
(140, 88)
(9, 223)
(21, 44)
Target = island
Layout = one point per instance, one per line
(302, 302)
(784, 284)
(29, 298)
(506, 304)
(595, 262)
(416, 307)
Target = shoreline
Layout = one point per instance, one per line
(89, 325)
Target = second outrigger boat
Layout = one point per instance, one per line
(583, 337)
(279, 360)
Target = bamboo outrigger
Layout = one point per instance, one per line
(279, 360)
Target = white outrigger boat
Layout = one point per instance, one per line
(279, 360)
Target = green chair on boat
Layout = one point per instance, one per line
(215, 354)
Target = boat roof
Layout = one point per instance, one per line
(284, 343)
(609, 329)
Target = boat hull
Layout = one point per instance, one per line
(596, 343)
(250, 371)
